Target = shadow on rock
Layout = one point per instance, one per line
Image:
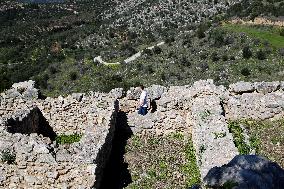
(246, 172)
(116, 174)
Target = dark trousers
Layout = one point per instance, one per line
(142, 110)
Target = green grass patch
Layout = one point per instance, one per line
(266, 138)
(114, 66)
(239, 138)
(8, 156)
(270, 34)
(162, 162)
(68, 139)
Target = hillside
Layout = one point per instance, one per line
(213, 71)
(55, 43)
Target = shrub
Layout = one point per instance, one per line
(185, 62)
(229, 40)
(214, 57)
(200, 33)
(139, 66)
(245, 72)
(247, 52)
(281, 52)
(157, 50)
(148, 52)
(111, 34)
(232, 57)
(260, 55)
(169, 40)
(149, 69)
(204, 66)
(266, 44)
(172, 54)
(281, 32)
(117, 78)
(7, 156)
(32, 6)
(187, 41)
(225, 57)
(126, 47)
(68, 139)
(52, 69)
(73, 75)
(41, 80)
(132, 35)
(218, 36)
(203, 56)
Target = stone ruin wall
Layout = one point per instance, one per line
(40, 163)
(168, 115)
(201, 110)
(242, 100)
(259, 100)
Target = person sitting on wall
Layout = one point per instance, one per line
(143, 101)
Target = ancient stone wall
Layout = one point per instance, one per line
(166, 114)
(259, 100)
(212, 140)
(203, 110)
(28, 127)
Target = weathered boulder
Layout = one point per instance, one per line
(156, 91)
(133, 93)
(241, 87)
(282, 85)
(12, 93)
(117, 93)
(211, 138)
(247, 172)
(254, 106)
(78, 96)
(24, 90)
(267, 87)
(207, 87)
(138, 122)
(23, 85)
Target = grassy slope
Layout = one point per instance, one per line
(270, 34)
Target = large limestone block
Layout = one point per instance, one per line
(133, 93)
(156, 91)
(241, 87)
(267, 87)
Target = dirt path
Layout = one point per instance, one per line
(129, 59)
